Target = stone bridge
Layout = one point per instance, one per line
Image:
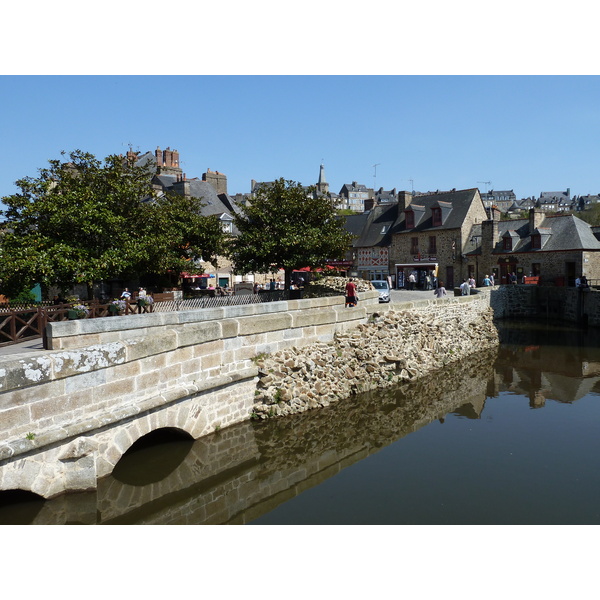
(68, 414)
(240, 473)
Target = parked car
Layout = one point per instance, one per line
(383, 288)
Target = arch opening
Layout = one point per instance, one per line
(19, 507)
(153, 457)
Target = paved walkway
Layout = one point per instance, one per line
(21, 347)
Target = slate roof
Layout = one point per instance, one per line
(460, 201)
(354, 224)
(559, 233)
(379, 226)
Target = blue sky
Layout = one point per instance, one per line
(526, 133)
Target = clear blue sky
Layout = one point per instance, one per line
(526, 133)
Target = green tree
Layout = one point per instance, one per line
(86, 220)
(285, 227)
(590, 215)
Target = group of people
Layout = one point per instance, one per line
(428, 281)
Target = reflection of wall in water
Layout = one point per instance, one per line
(244, 471)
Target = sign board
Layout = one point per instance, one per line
(244, 288)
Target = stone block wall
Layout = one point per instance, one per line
(191, 369)
(532, 301)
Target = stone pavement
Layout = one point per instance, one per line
(21, 347)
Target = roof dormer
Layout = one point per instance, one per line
(539, 237)
(413, 215)
(439, 213)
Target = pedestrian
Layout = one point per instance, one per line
(411, 281)
(471, 282)
(351, 298)
(492, 280)
(486, 281)
(465, 288)
(272, 285)
(440, 291)
(513, 278)
(126, 294)
(429, 281)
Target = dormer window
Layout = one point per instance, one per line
(507, 243)
(536, 241)
(436, 216)
(410, 219)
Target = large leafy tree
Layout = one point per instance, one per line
(286, 227)
(86, 220)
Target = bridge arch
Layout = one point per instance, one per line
(153, 457)
(19, 507)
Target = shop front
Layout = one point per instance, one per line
(423, 271)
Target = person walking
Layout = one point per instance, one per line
(486, 281)
(351, 298)
(440, 290)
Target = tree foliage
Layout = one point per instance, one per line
(590, 215)
(285, 227)
(86, 220)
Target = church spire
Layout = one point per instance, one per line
(322, 186)
(322, 175)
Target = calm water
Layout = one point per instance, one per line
(507, 437)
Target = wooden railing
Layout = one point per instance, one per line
(21, 325)
(27, 323)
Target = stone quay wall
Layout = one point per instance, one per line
(403, 342)
(533, 301)
(68, 414)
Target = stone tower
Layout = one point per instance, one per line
(322, 185)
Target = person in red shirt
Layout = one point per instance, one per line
(351, 298)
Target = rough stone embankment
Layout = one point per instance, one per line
(395, 346)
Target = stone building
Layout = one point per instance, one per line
(556, 248)
(354, 196)
(432, 235)
(502, 199)
(371, 248)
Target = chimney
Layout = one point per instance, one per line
(404, 199)
(536, 217)
(490, 235)
(369, 203)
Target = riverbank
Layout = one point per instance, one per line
(394, 346)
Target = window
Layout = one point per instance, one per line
(227, 227)
(436, 216)
(414, 245)
(410, 219)
(507, 243)
(536, 241)
(432, 244)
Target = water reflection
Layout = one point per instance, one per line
(250, 472)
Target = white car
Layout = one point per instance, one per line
(383, 288)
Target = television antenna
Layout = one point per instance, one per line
(375, 176)
(488, 183)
